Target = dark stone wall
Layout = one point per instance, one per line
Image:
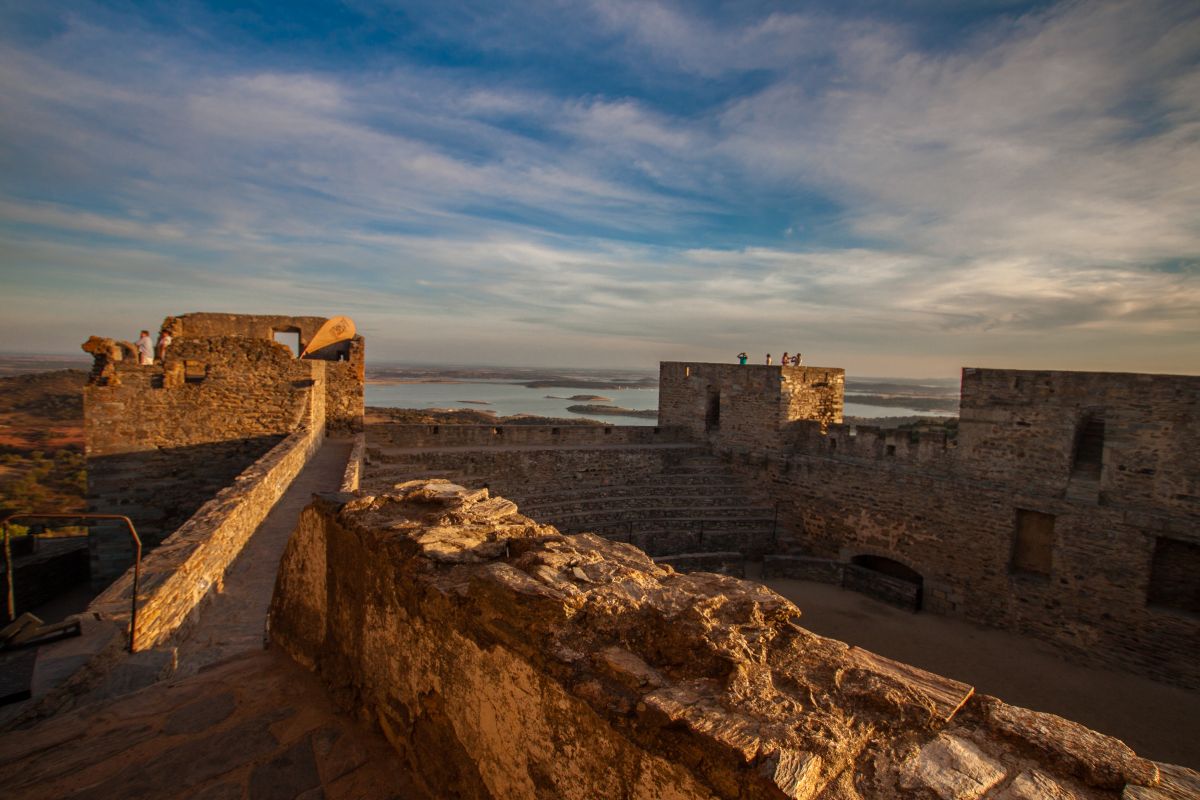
(948, 508)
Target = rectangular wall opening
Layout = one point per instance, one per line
(712, 412)
(1175, 575)
(290, 339)
(1089, 445)
(1033, 543)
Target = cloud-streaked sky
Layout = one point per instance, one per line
(896, 188)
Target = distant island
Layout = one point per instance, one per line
(530, 377)
(463, 416)
(581, 398)
(614, 411)
(575, 383)
(915, 402)
(475, 402)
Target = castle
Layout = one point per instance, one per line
(1065, 508)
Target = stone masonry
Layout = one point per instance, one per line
(746, 405)
(163, 438)
(1066, 508)
(503, 659)
(344, 373)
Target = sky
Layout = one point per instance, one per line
(897, 188)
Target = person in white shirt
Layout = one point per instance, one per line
(160, 349)
(145, 346)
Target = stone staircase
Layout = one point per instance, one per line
(695, 506)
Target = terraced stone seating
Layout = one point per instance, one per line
(665, 499)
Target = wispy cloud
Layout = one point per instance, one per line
(620, 182)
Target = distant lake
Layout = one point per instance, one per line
(506, 399)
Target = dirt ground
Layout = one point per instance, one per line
(1158, 721)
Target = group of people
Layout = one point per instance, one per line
(148, 350)
(786, 360)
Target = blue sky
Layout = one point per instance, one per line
(896, 188)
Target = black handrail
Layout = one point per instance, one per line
(137, 559)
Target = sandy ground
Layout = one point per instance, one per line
(1158, 721)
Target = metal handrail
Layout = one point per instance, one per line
(137, 559)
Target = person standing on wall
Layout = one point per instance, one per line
(768, 359)
(742, 358)
(164, 341)
(145, 348)
(784, 361)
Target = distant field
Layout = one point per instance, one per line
(41, 441)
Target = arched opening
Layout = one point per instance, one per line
(886, 579)
(290, 337)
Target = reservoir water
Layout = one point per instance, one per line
(506, 398)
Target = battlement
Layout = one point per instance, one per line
(745, 405)
(162, 438)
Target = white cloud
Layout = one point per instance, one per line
(1027, 185)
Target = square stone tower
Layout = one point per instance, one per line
(745, 405)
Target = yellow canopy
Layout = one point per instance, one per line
(337, 329)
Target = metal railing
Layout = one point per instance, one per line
(137, 558)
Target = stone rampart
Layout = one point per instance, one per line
(161, 439)
(503, 659)
(1024, 427)
(437, 436)
(189, 565)
(521, 465)
(1064, 509)
(345, 373)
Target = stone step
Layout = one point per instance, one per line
(751, 544)
(633, 491)
(716, 506)
(378, 453)
(656, 518)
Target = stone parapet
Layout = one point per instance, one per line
(190, 564)
(503, 659)
(424, 436)
(352, 477)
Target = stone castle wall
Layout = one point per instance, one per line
(1114, 579)
(475, 436)
(1022, 428)
(746, 406)
(162, 439)
(542, 665)
(522, 460)
(190, 566)
(345, 375)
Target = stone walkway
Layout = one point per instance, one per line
(233, 721)
(256, 726)
(234, 621)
